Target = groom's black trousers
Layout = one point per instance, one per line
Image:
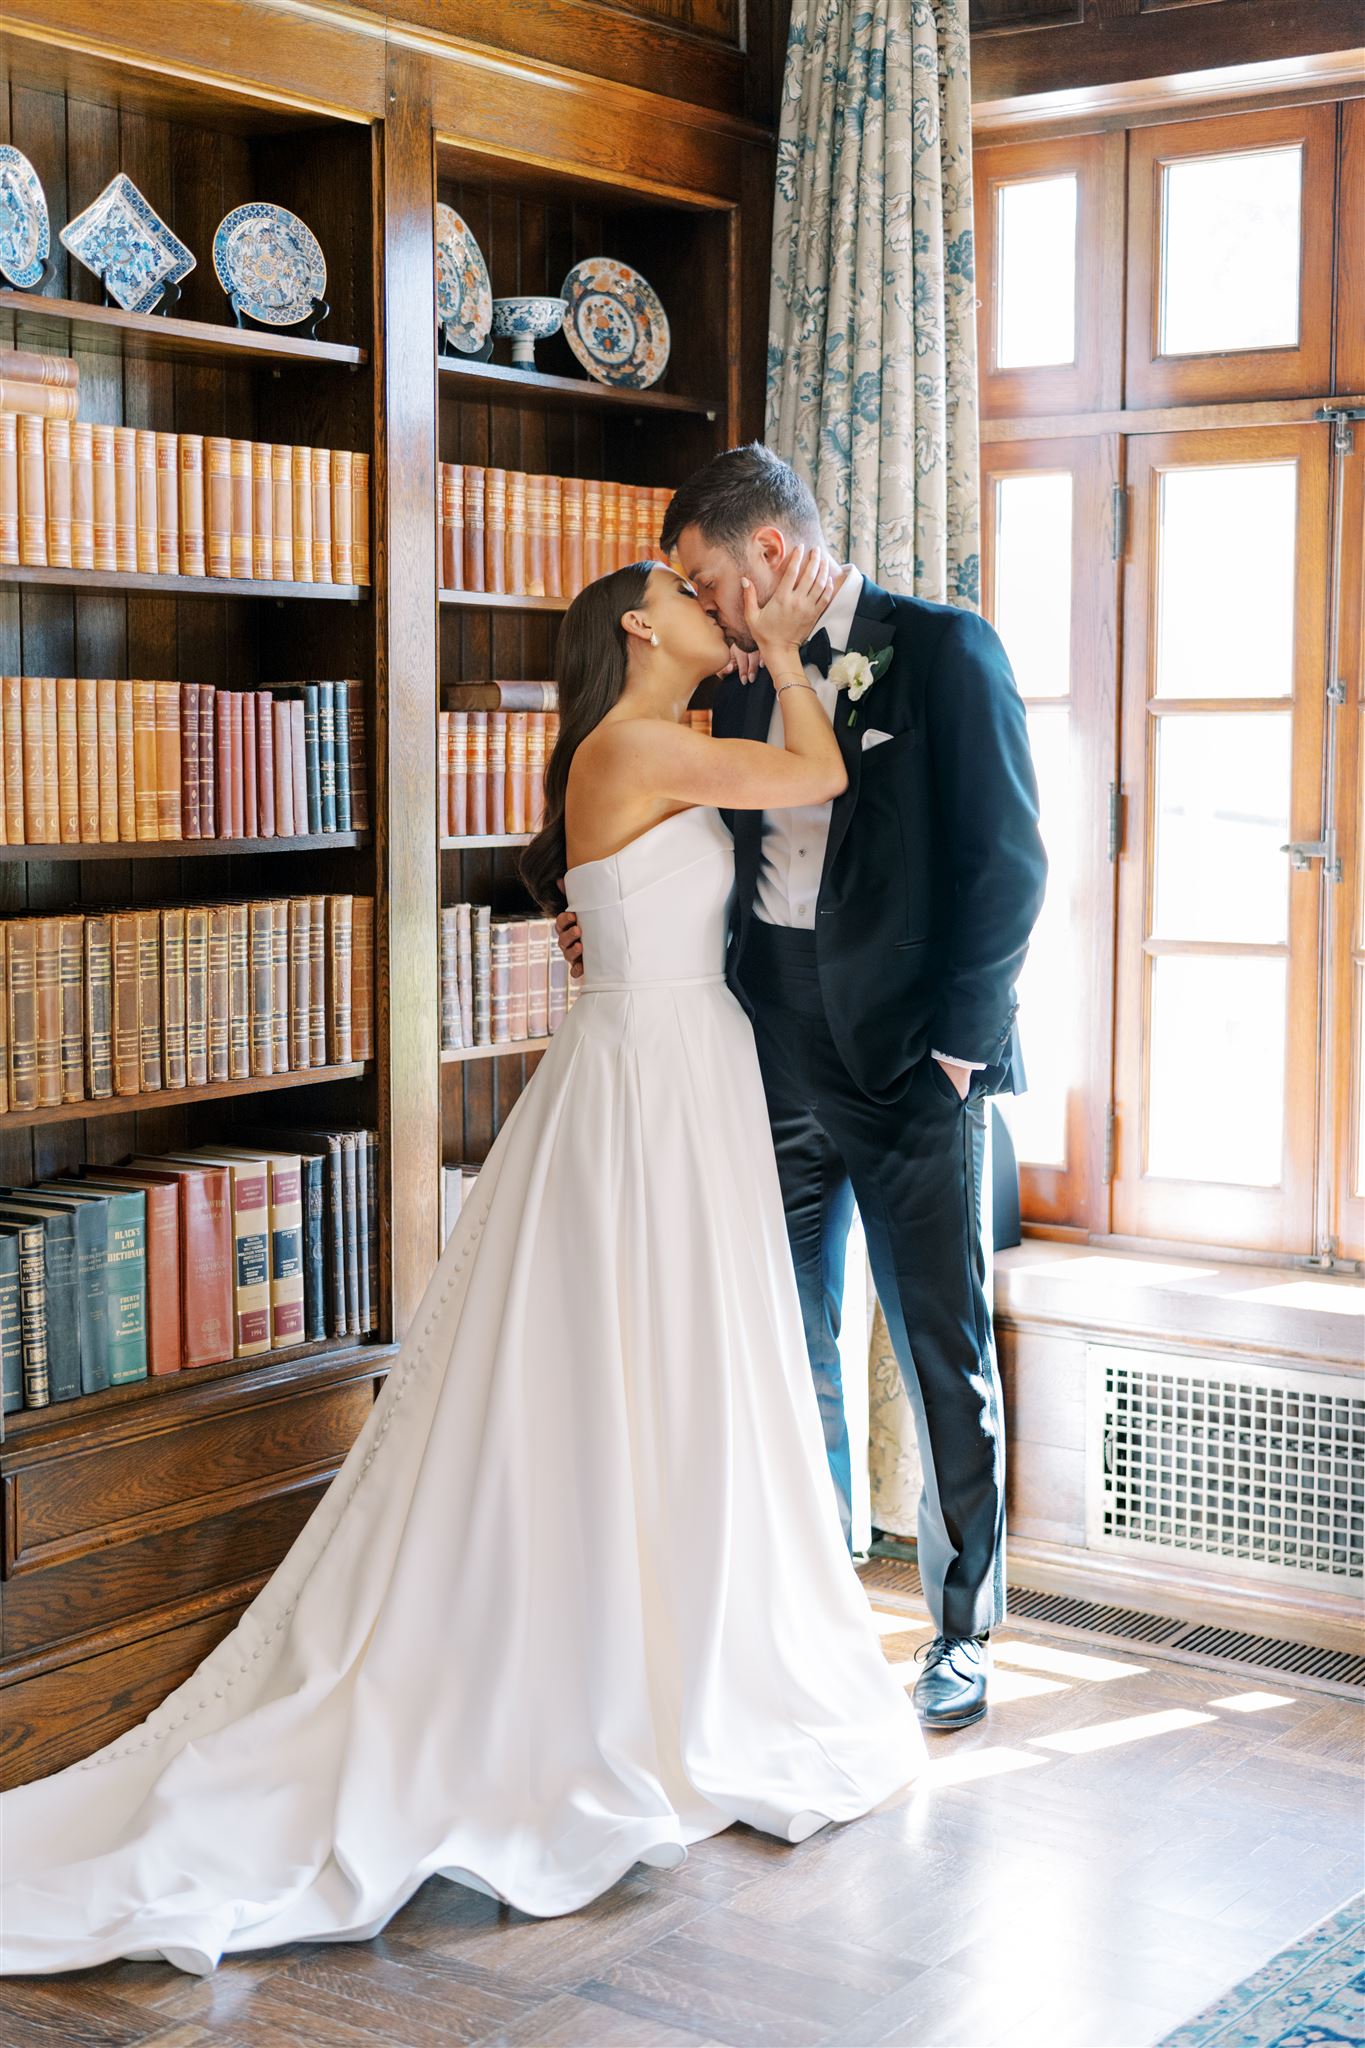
(914, 1168)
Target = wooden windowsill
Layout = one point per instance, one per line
(1276, 1310)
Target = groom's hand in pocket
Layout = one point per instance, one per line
(570, 940)
(960, 1076)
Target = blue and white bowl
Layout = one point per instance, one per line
(526, 321)
(122, 238)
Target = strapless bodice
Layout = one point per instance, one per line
(657, 912)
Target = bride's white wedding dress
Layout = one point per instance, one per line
(578, 1595)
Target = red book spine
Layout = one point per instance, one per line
(222, 721)
(265, 764)
(208, 779)
(189, 762)
(250, 766)
(236, 770)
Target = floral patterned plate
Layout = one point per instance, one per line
(464, 296)
(128, 246)
(25, 236)
(615, 324)
(269, 264)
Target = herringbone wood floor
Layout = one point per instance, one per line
(1117, 1842)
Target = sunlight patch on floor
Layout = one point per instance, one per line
(1135, 1728)
(1066, 1663)
(1005, 1684)
(975, 1763)
(1254, 1702)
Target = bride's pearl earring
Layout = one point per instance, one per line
(653, 639)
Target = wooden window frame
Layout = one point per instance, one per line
(1276, 1219)
(1094, 380)
(1076, 1194)
(1152, 379)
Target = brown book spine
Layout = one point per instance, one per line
(21, 394)
(41, 366)
(11, 696)
(208, 762)
(285, 827)
(474, 506)
(127, 1063)
(4, 824)
(190, 827)
(173, 995)
(52, 830)
(646, 540)
(495, 529)
(281, 513)
(57, 459)
(459, 774)
(125, 500)
(4, 1021)
(68, 763)
(147, 547)
(279, 987)
(127, 754)
(535, 536)
(362, 978)
(452, 526)
(168, 821)
(99, 1006)
(301, 477)
(339, 979)
(343, 552)
(193, 556)
(32, 468)
(167, 505)
(517, 481)
(322, 515)
(219, 991)
(48, 986)
(71, 973)
(443, 825)
(197, 918)
(360, 773)
(360, 516)
(662, 498)
(146, 771)
(240, 481)
(250, 767)
(236, 764)
(497, 771)
(317, 981)
(537, 753)
(9, 489)
(262, 511)
(575, 509)
(82, 495)
(239, 991)
(300, 1000)
(516, 770)
(102, 496)
(22, 973)
(552, 492)
(611, 526)
(88, 757)
(218, 504)
(265, 763)
(106, 747)
(593, 556)
(149, 999)
(478, 773)
(262, 942)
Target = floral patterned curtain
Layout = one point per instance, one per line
(872, 323)
(872, 373)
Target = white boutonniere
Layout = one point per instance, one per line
(856, 673)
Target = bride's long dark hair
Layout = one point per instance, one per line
(590, 668)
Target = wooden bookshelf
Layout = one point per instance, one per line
(133, 585)
(176, 1098)
(505, 384)
(480, 841)
(47, 323)
(505, 1049)
(501, 601)
(183, 849)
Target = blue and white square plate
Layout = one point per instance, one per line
(25, 235)
(125, 242)
(269, 263)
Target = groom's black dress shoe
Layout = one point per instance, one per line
(950, 1692)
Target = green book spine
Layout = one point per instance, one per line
(11, 1330)
(125, 1273)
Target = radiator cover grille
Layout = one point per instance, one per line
(1258, 1470)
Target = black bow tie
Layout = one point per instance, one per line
(817, 650)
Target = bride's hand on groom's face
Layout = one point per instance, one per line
(570, 940)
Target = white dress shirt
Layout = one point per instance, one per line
(792, 855)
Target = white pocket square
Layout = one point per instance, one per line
(873, 738)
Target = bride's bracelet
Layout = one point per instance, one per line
(802, 685)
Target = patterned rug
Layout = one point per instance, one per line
(1310, 1995)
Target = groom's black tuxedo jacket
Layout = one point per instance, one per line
(934, 869)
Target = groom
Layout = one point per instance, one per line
(875, 943)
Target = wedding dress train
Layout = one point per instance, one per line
(578, 1595)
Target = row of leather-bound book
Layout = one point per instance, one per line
(131, 1002)
(92, 761)
(506, 530)
(503, 979)
(81, 494)
(184, 1259)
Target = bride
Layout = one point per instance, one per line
(578, 1596)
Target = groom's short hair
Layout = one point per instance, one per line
(738, 492)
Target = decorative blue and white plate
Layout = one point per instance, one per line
(615, 324)
(25, 235)
(269, 263)
(464, 296)
(125, 242)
